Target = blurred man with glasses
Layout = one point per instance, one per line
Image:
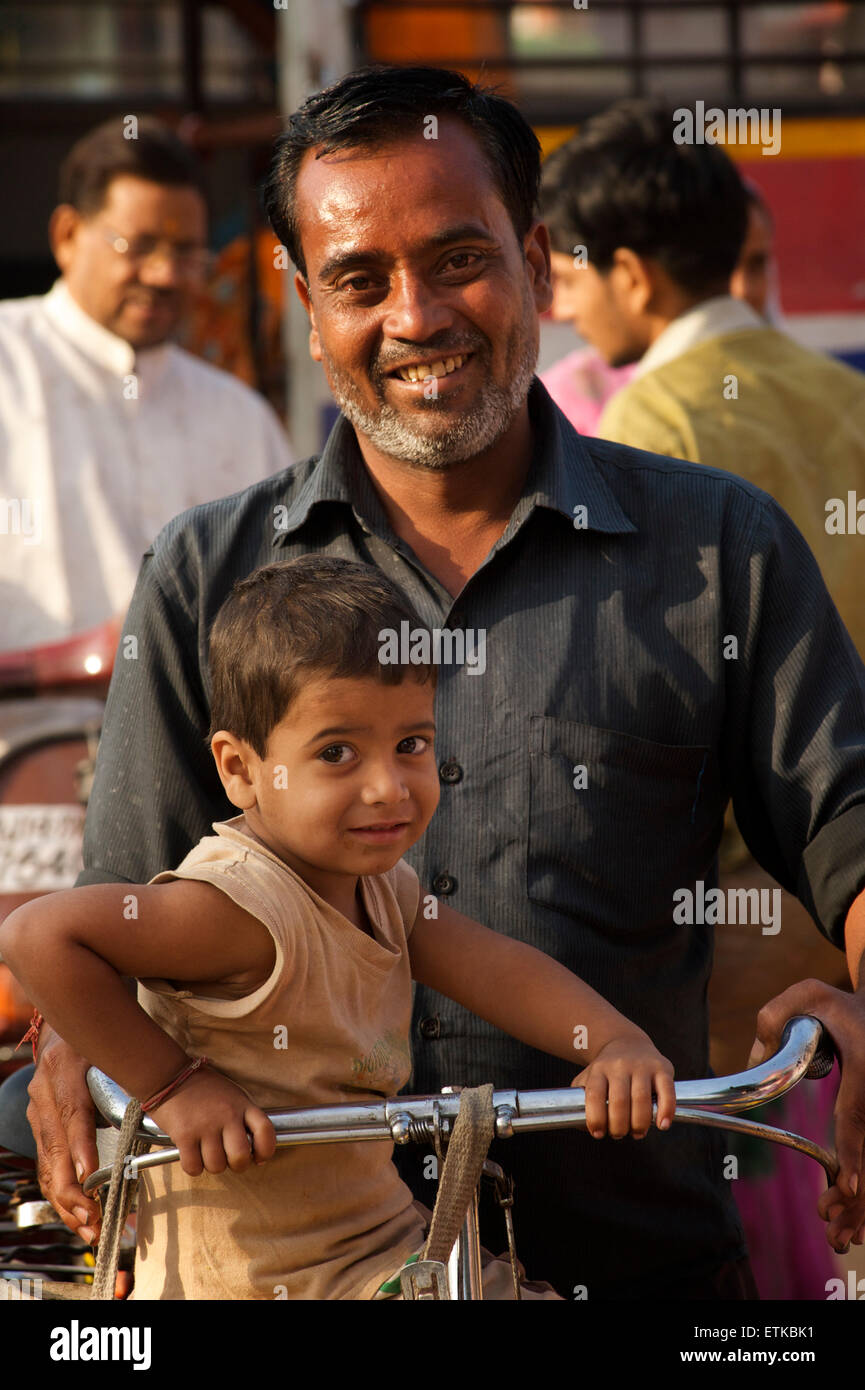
(107, 428)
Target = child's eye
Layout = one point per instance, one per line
(413, 744)
(336, 753)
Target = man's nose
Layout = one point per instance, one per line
(563, 308)
(161, 271)
(415, 310)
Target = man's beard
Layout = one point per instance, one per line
(394, 433)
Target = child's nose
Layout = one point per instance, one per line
(384, 782)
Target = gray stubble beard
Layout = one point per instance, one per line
(391, 432)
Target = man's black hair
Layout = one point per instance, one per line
(104, 154)
(380, 103)
(624, 182)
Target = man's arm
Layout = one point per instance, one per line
(156, 790)
(854, 937)
(797, 692)
(155, 793)
(842, 1206)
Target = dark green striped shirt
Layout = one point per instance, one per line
(658, 640)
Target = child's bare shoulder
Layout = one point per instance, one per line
(201, 933)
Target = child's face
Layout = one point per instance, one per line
(349, 781)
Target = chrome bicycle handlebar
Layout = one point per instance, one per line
(806, 1049)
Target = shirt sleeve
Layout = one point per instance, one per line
(795, 725)
(156, 791)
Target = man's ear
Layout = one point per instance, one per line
(536, 247)
(302, 287)
(232, 756)
(633, 279)
(63, 226)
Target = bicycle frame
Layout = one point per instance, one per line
(805, 1050)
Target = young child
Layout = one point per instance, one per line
(282, 950)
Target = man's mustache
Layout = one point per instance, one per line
(154, 296)
(428, 352)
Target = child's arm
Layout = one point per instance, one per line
(70, 949)
(532, 997)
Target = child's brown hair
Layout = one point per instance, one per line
(316, 615)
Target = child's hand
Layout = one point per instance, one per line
(845, 1216)
(215, 1125)
(619, 1084)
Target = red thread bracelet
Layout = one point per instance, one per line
(32, 1034)
(159, 1096)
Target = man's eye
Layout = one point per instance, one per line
(356, 284)
(413, 744)
(462, 261)
(336, 753)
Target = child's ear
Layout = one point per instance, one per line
(233, 756)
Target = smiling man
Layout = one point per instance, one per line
(108, 429)
(584, 777)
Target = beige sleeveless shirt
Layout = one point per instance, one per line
(330, 1025)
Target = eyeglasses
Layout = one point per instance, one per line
(189, 260)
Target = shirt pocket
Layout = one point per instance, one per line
(616, 823)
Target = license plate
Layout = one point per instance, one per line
(40, 847)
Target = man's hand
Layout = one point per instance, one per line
(843, 1206)
(62, 1119)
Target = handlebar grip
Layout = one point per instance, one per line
(824, 1058)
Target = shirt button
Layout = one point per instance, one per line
(444, 885)
(451, 771)
(430, 1027)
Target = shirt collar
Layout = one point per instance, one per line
(562, 477)
(339, 475)
(711, 319)
(96, 342)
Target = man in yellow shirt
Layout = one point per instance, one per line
(645, 234)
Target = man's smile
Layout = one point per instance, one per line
(448, 373)
(437, 367)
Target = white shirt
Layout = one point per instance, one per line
(711, 319)
(100, 446)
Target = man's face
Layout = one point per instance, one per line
(136, 295)
(751, 278)
(599, 308)
(415, 270)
